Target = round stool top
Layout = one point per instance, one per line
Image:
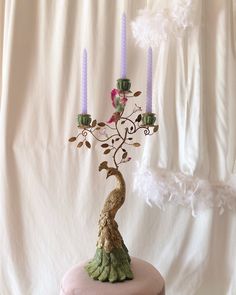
(147, 281)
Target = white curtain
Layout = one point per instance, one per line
(51, 194)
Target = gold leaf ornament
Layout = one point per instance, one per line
(124, 155)
(94, 123)
(137, 93)
(139, 118)
(79, 145)
(105, 145)
(101, 124)
(72, 139)
(107, 151)
(155, 129)
(136, 144)
(88, 145)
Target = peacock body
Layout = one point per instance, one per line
(111, 261)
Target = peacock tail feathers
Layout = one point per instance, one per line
(113, 266)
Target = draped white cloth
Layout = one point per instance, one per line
(51, 193)
(195, 76)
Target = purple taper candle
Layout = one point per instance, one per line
(84, 83)
(123, 47)
(149, 81)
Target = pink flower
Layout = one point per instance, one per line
(123, 101)
(114, 92)
(126, 160)
(115, 117)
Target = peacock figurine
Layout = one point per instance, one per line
(111, 261)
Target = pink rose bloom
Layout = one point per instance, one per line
(123, 100)
(115, 117)
(114, 92)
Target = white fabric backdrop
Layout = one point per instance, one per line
(51, 194)
(196, 102)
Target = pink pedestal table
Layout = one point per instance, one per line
(147, 281)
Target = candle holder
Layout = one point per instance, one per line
(123, 84)
(148, 119)
(116, 137)
(84, 120)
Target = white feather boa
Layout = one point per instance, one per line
(160, 187)
(152, 28)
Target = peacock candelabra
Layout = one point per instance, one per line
(116, 136)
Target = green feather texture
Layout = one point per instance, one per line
(118, 106)
(110, 267)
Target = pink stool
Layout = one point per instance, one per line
(147, 281)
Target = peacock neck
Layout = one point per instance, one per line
(120, 181)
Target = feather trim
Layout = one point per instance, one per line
(161, 186)
(152, 28)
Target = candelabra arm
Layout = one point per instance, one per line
(99, 139)
(118, 148)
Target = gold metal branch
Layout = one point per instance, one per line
(118, 135)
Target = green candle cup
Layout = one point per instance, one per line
(148, 119)
(84, 120)
(123, 84)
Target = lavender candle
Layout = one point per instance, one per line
(123, 47)
(84, 83)
(149, 81)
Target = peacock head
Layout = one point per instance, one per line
(111, 171)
